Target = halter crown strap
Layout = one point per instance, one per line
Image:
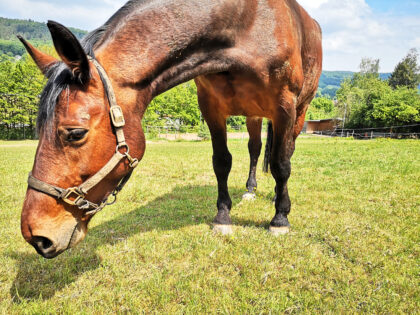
(115, 111)
(75, 196)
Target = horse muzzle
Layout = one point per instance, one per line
(49, 245)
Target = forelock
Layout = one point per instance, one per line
(59, 78)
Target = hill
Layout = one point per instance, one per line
(36, 32)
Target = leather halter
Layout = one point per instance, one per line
(76, 196)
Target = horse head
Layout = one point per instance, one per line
(77, 139)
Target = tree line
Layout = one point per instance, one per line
(363, 100)
(367, 101)
(20, 86)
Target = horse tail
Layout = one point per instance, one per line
(268, 147)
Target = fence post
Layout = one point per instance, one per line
(371, 135)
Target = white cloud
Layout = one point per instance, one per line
(351, 31)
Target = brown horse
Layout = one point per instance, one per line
(257, 58)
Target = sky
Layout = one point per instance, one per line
(352, 29)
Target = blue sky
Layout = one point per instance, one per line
(352, 29)
(401, 7)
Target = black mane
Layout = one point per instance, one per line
(60, 76)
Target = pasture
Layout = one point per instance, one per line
(354, 245)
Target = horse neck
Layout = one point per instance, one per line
(158, 46)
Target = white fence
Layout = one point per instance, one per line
(395, 132)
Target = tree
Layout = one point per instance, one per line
(400, 107)
(21, 83)
(321, 108)
(236, 122)
(369, 66)
(371, 102)
(407, 72)
(177, 106)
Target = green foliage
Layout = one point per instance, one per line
(20, 84)
(177, 107)
(236, 122)
(11, 47)
(321, 108)
(369, 101)
(204, 132)
(407, 72)
(401, 106)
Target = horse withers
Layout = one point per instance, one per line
(257, 58)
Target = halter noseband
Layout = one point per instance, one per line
(75, 196)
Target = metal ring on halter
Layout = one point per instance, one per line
(122, 145)
(113, 195)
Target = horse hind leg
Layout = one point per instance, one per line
(300, 121)
(254, 147)
(282, 151)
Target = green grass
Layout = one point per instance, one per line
(354, 246)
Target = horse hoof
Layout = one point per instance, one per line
(276, 231)
(223, 229)
(249, 196)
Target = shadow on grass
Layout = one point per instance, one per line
(38, 278)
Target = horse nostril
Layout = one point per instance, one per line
(42, 245)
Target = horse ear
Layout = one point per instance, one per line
(43, 61)
(70, 51)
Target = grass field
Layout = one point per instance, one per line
(354, 245)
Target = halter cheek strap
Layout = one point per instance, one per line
(75, 196)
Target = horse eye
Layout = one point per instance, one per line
(74, 135)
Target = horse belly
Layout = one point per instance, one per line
(234, 95)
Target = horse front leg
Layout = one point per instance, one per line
(222, 164)
(222, 159)
(254, 147)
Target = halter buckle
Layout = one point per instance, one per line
(69, 192)
(117, 116)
